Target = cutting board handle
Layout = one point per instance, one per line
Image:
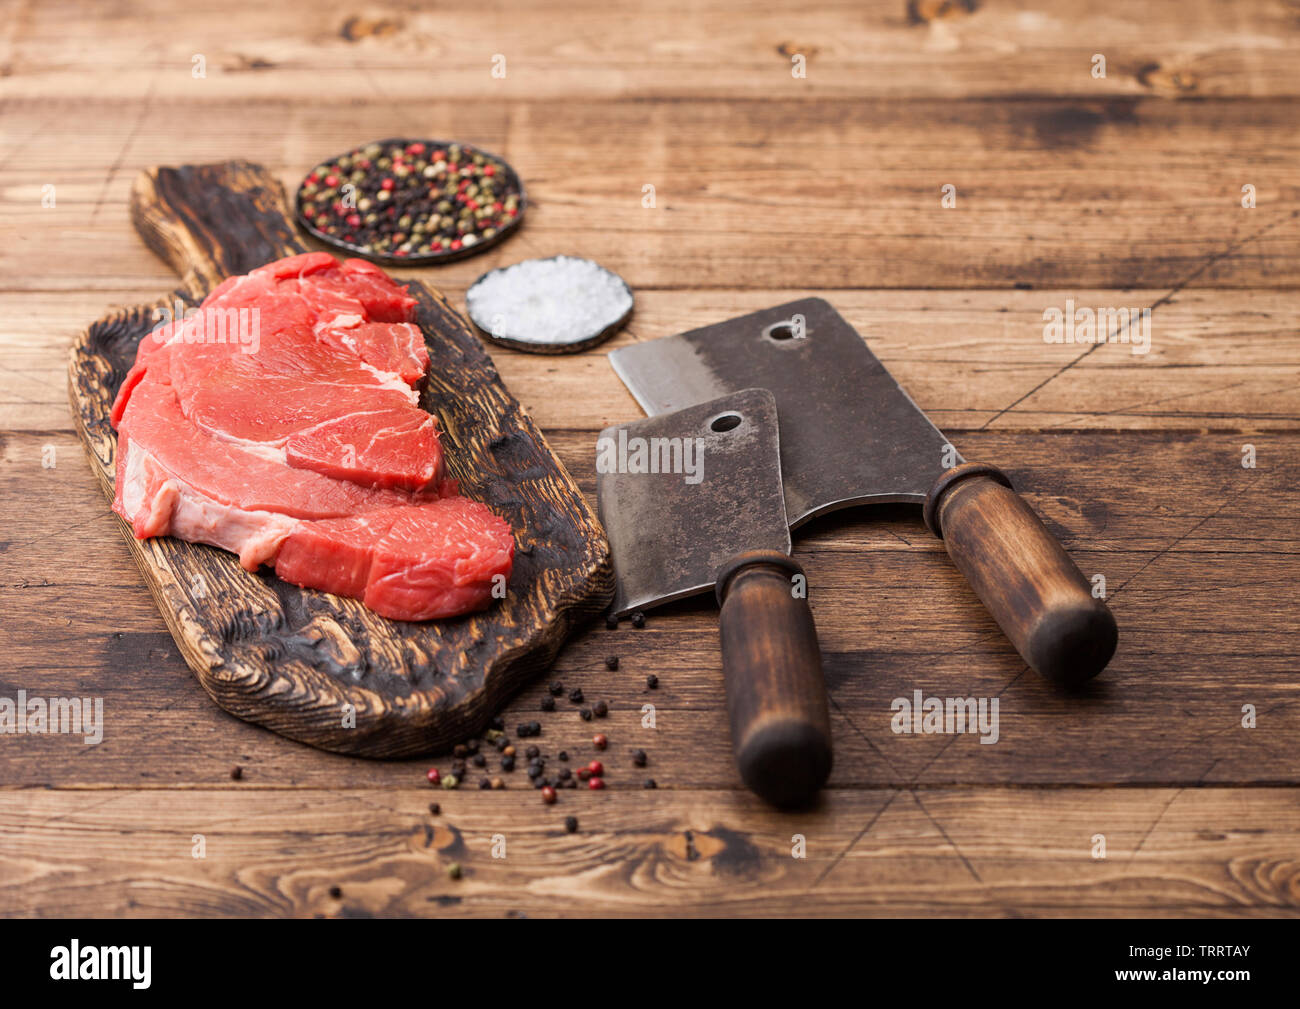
(1037, 594)
(210, 222)
(776, 696)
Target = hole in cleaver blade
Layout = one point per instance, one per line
(683, 492)
(850, 434)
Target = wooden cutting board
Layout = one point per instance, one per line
(315, 667)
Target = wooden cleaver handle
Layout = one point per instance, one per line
(776, 696)
(1023, 575)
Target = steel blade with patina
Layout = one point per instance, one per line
(669, 531)
(849, 434)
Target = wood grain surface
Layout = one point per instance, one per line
(1122, 191)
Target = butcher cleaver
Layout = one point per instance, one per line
(692, 501)
(850, 435)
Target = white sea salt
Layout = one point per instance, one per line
(552, 302)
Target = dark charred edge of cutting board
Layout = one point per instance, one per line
(288, 658)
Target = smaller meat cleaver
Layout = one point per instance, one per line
(850, 435)
(692, 500)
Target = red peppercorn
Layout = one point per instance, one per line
(354, 220)
(596, 768)
(457, 243)
(489, 170)
(498, 206)
(416, 148)
(439, 155)
(548, 794)
(433, 776)
(472, 204)
(599, 741)
(513, 213)
(387, 184)
(331, 180)
(583, 774)
(595, 784)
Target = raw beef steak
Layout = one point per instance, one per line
(281, 421)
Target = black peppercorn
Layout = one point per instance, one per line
(652, 682)
(639, 758)
(532, 753)
(571, 824)
(638, 620)
(601, 709)
(611, 663)
(586, 714)
(480, 760)
(434, 808)
(563, 754)
(337, 892)
(484, 783)
(611, 622)
(650, 783)
(498, 723)
(548, 703)
(556, 688)
(575, 695)
(507, 763)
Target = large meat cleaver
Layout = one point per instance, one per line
(850, 435)
(692, 500)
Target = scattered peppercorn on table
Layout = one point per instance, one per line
(948, 185)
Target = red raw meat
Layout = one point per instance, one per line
(292, 434)
(425, 561)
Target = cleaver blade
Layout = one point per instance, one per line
(717, 492)
(850, 435)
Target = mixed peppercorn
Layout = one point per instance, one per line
(549, 781)
(411, 200)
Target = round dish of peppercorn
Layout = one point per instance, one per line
(412, 201)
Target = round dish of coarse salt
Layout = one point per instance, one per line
(559, 305)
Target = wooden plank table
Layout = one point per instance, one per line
(1179, 765)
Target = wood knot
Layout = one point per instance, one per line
(244, 63)
(788, 49)
(1167, 80)
(357, 28)
(442, 838)
(921, 12)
